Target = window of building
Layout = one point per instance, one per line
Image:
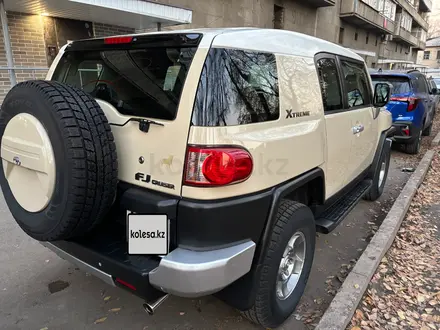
(355, 36)
(330, 87)
(426, 55)
(356, 84)
(278, 17)
(396, 47)
(341, 36)
(401, 48)
(376, 42)
(237, 87)
(367, 38)
(438, 55)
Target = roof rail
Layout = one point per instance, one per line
(413, 70)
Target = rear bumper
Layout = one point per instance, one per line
(182, 272)
(187, 273)
(400, 137)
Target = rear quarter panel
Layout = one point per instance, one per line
(281, 149)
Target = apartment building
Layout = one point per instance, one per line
(378, 30)
(430, 57)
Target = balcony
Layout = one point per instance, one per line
(320, 3)
(360, 14)
(425, 5)
(417, 18)
(421, 45)
(403, 35)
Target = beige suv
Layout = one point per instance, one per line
(233, 146)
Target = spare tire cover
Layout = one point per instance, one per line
(59, 165)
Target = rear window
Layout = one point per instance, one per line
(237, 87)
(138, 82)
(398, 85)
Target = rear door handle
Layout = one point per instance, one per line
(357, 129)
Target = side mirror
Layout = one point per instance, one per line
(434, 91)
(381, 95)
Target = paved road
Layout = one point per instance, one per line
(27, 269)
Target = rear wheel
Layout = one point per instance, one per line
(428, 130)
(380, 177)
(286, 265)
(413, 148)
(59, 164)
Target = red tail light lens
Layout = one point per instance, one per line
(217, 166)
(412, 102)
(128, 285)
(117, 40)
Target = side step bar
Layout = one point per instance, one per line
(331, 217)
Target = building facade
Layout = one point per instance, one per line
(430, 57)
(375, 29)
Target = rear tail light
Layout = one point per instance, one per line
(412, 102)
(405, 130)
(117, 40)
(214, 166)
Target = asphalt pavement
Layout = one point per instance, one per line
(38, 290)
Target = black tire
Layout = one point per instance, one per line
(268, 310)
(428, 130)
(376, 190)
(413, 148)
(85, 158)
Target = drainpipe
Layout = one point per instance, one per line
(7, 42)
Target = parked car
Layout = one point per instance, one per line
(247, 141)
(434, 93)
(411, 104)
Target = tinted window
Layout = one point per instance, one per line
(329, 81)
(140, 82)
(356, 84)
(237, 87)
(419, 83)
(398, 85)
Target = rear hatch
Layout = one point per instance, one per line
(140, 77)
(402, 98)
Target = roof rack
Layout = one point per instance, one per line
(413, 70)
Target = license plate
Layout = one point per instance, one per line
(147, 233)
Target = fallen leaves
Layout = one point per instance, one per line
(404, 293)
(102, 319)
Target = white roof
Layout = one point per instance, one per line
(270, 40)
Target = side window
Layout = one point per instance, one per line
(237, 87)
(420, 84)
(356, 84)
(330, 86)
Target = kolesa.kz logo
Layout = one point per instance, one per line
(147, 234)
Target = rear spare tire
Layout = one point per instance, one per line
(59, 165)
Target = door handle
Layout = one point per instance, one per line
(357, 129)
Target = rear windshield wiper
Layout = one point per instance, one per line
(144, 124)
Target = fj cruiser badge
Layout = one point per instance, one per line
(139, 176)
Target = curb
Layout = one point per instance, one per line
(436, 140)
(338, 315)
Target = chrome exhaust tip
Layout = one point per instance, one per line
(150, 308)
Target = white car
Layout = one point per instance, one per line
(231, 146)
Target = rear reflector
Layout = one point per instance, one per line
(117, 40)
(412, 102)
(206, 166)
(128, 285)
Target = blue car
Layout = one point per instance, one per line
(411, 105)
